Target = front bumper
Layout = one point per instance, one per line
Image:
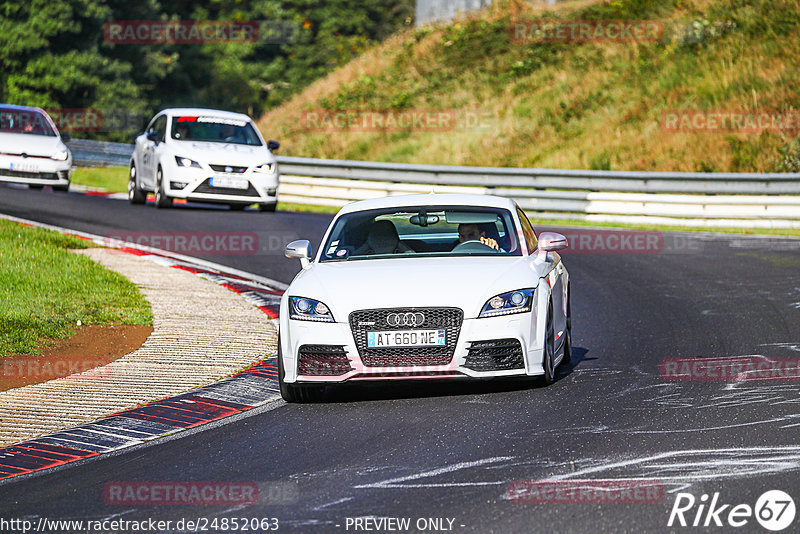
(197, 186)
(518, 330)
(35, 170)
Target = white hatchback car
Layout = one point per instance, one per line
(32, 151)
(424, 286)
(204, 155)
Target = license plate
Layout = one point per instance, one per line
(228, 182)
(406, 338)
(24, 167)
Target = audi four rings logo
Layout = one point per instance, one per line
(405, 319)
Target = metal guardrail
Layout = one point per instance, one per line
(88, 153)
(770, 200)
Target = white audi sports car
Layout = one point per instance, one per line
(31, 149)
(424, 286)
(204, 155)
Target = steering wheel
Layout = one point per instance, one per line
(473, 245)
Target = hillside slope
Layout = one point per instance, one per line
(521, 102)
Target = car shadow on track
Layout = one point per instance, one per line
(413, 389)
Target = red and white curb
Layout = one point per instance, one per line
(256, 386)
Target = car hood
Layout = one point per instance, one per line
(223, 153)
(464, 282)
(33, 145)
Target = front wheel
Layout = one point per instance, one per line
(548, 361)
(568, 335)
(268, 207)
(293, 393)
(35, 186)
(136, 194)
(162, 200)
(61, 188)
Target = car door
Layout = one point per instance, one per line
(149, 159)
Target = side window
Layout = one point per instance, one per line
(527, 231)
(152, 126)
(161, 127)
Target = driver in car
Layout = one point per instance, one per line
(471, 232)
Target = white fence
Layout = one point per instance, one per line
(672, 198)
(683, 199)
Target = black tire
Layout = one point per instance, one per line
(268, 207)
(61, 188)
(35, 186)
(238, 207)
(162, 200)
(549, 349)
(136, 194)
(568, 335)
(293, 393)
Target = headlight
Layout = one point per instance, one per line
(61, 155)
(304, 309)
(266, 168)
(186, 162)
(518, 301)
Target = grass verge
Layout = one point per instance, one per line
(111, 179)
(45, 290)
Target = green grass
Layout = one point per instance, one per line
(111, 179)
(569, 105)
(45, 290)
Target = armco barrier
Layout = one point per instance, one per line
(99, 153)
(765, 200)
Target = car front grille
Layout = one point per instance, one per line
(25, 174)
(206, 188)
(449, 319)
(323, 360)
(234, 169)
(495, 355)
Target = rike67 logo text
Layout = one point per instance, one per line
(774, 510)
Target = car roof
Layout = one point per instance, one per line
(430, 199)
(204, 111)
(22, 108)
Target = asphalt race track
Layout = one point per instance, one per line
(453, 450)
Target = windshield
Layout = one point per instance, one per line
(215, 130)
(423, 231)
(25, 121)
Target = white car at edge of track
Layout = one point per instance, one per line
(32, 151)
(424, 286)
(204, 155)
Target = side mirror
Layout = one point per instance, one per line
(273, 145)
(552, 241)
(301, 250)
(154, 137)
(66, 137)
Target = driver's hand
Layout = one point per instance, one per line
(489, 242)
